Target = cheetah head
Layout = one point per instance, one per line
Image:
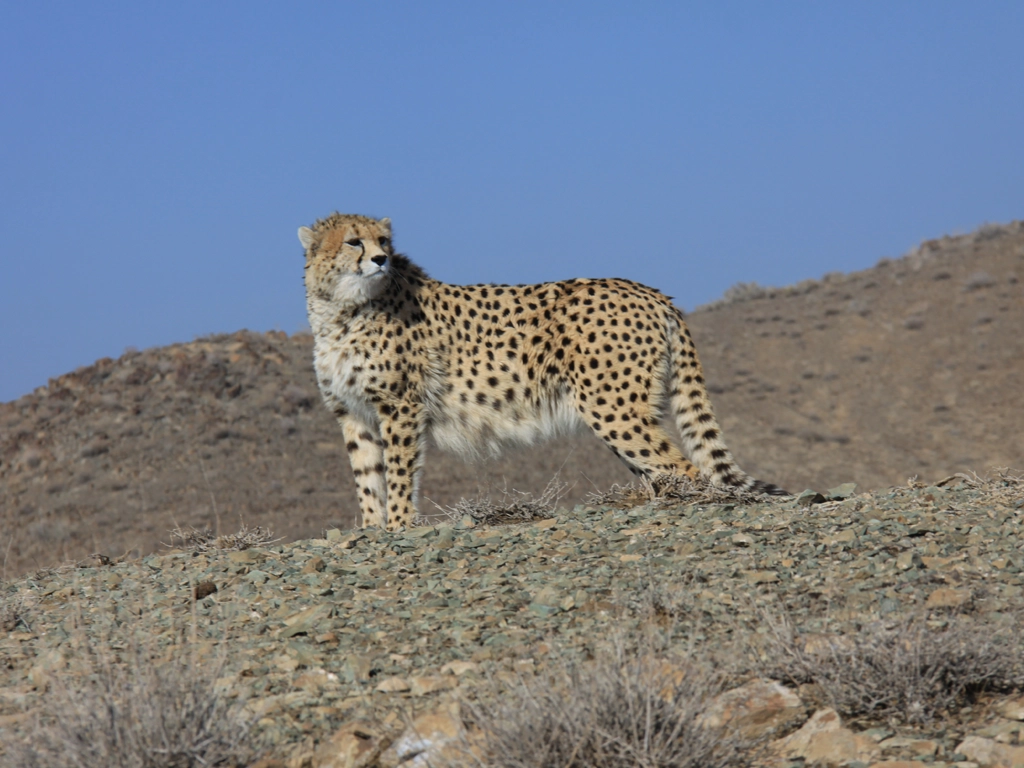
(348, 259)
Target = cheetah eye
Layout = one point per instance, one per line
(383, 242)
(355, 243)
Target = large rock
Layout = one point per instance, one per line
(355, 745)
(990, 753)
(824, 740)
(433, 739)
(756, 709)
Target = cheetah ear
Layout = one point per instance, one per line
(386, 223)
(307, 237)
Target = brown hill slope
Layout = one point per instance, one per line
(911, 367)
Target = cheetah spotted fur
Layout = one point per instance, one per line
(399, 355)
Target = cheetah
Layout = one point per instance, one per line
(399, 356)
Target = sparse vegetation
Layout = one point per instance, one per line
(135, 714)
(1003, 482)
(12, 613)
(908, 670)
(511, 506)
(621, 710)
(194, 540)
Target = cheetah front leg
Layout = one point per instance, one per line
(366, 454)
(402, 428)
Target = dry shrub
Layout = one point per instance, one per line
(671, 490)
(511, 506)
(738, 292)
(1000, 485)
(619, 711)
(138, 714)
(194, 540)
(12, 612)
(909, 670)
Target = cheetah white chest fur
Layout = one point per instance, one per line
(345, 368)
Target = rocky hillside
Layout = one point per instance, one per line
(872, 629)
(910, 368)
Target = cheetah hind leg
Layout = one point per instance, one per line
(649, 452)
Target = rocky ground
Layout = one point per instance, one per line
(334, 645)
(911, 368)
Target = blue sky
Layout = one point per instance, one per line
(157, 158)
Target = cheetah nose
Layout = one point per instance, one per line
(379, 259)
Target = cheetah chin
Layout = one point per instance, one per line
(399, 356)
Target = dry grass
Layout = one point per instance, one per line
(511, 506)
(138, 714)
(12, 613)
(622, 710)
(194, 540)
(667, 491)
(910, 670)
(1001, 484)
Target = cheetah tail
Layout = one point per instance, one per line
(695, 418)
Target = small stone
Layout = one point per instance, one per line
(543, 611)
(313, 565)
(844, 491)
(286, 663)
(314, 680)
(946, 597)
(459, 668)
(895, 742)
(333, 535)
(204, 589)
(445, 537)
(742, 540)
(303, 622)
(878, 734)
(356, 669)
(924, 747)
(808, 498)
(760, 577)
(844, 537)
(49, 665)
(1011, 708)
(906, 560)
(1003, 731)
(393, 685)
(525, 666)
(420, 686)
(917, 746)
